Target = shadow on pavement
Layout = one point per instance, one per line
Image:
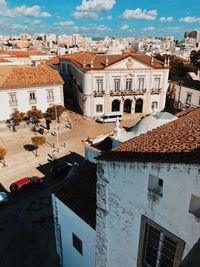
(52, 161)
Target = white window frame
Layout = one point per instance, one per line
(99, 84)
(117, 84)
(99, 108)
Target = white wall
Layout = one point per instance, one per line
(71, 223)
(122, 197)
(22, 96)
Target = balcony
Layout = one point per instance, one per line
(128, 93)
(155, 90)
(33, 101)
(13, 103)
(50, 98)
(99, 94)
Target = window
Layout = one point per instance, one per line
(154, 105)
(13, 97)
(128, 84)
(116, 84)
(195, 206)
(77, 243)
(155, 185)
(158, 247)
(32, 96)
(188, 99)
(99, 108)
(199, 101)
(140, 83)
(99, 85)
(157, 83)
(50, 96)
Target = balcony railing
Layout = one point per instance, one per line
(13, 103)
(130, 92)
(99, 94)
(155, 90)
(50, 98)
(33, 101)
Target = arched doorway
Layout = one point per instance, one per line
(127, 105)
(139, 105)
(116, 105)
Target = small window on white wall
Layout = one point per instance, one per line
(77, 243)
(195, 205)
(99, 108)
(155, 185)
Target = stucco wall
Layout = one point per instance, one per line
(122, 197)
(22, 96)
(71, 223)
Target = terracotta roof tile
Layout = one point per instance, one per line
(99, 60)
(30, 76)
(180, 137)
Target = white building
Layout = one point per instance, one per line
(23, 88)
(102, 83)
(185, 93)
(74, 208)
(148, 197)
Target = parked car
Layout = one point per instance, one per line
(25, 183)
(61, 169)
(3, 197)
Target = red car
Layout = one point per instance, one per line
(25, 182)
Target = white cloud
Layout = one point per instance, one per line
(150, 28)
(166, 19)
(190, 19)
(96, 5)
(67, 23)
(85, 15)
(22, 11)
(90, 8)
(109, 17)
(139, 14)
(125, 27)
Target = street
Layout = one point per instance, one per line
(26, 221)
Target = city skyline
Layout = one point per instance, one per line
(98, 18)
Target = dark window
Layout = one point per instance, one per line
(188, 99)
(99, 108)
(77, 243)
(155, 185)
(158, 247)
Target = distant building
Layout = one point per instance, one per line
(102, 83)
(24, 88)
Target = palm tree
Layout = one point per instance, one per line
(3, 153)
(38, 141)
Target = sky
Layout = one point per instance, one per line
(100, 18)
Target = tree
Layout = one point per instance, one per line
(38, 141)
(17, 116)
(3, 153)
(195, 58)
(35, 114)
(55, 111)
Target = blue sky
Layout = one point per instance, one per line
(120, 18)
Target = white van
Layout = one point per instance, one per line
(109, 117)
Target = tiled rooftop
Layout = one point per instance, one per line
(99, 60)
(79, 194)
(29, 76)
(178, 140)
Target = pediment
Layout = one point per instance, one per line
(128, 63)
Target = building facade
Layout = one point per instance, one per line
(104, 83)
(24, 88)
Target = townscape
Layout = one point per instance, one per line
(99, 135)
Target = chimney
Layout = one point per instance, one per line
(168, 62)
(91, 64)
(165, 63)
(152, 60)
(106, 61)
